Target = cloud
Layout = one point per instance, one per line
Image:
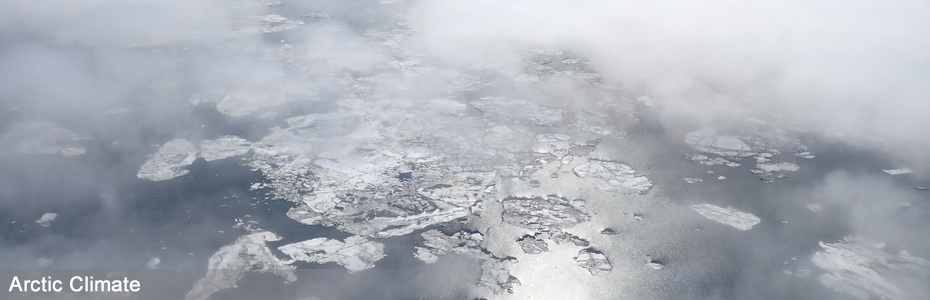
(854, 68)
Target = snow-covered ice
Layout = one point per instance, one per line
(519, 112)
(727, 216)
(693, 180)
(231, 262)
(900, 171)
(594, 261)
(223, 147)
(495, 271)
(542, 213)
(356, 253)
(532, 245)
(46, 219)
(707, 140)
(612, 176)
(153, 263)
(169, 161)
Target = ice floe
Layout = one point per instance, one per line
(519, 112)
(243, 103)
(693, 180)
(356, 253)
(594, 261)
(223, 147)
(533, 245)
(727, 216)
(153, 263)
(542, 213)
(901, 171)
(46, 219)
(707, 140)
(612, 176)
(864, 270)
(231, 262)
(730, 149)
(495, 271)
(169, 161)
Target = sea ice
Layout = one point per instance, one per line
(169, 161)
(495, 271)
(612, 176)
(355, 254)
(901, 171)
(520, 112)
(594, 261)
(46, 219)
(231, 262)
(224, 147)
(727, 216)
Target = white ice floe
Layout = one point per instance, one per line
(865, 270)
(231, 262)
(693, 180)
(44, 262)
(520, 112)
(355, 254)
(778, 167)
(153, 263)
(46, 219)
(552, 137)
(495, 271)
(654, 263)
(594, 261)
(727, 216)
(901, 171)
(169, 161)
(805, 155)
(707, 140)
(707, 161)
(732, 148)
(224, 147)
(814, 207)
(542, 213)
(612, 176)
(242, 103)
(532, 244)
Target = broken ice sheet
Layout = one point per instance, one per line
(532, 245)
(169, 161)
(732, 148)
(727, 216)
(242, 103)
(707, 140)
(231, 262)
(519, 112)
(495, 271)
(223, 147)
(612, 176)
(542, 213)
(594, 261)
(356, 253)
